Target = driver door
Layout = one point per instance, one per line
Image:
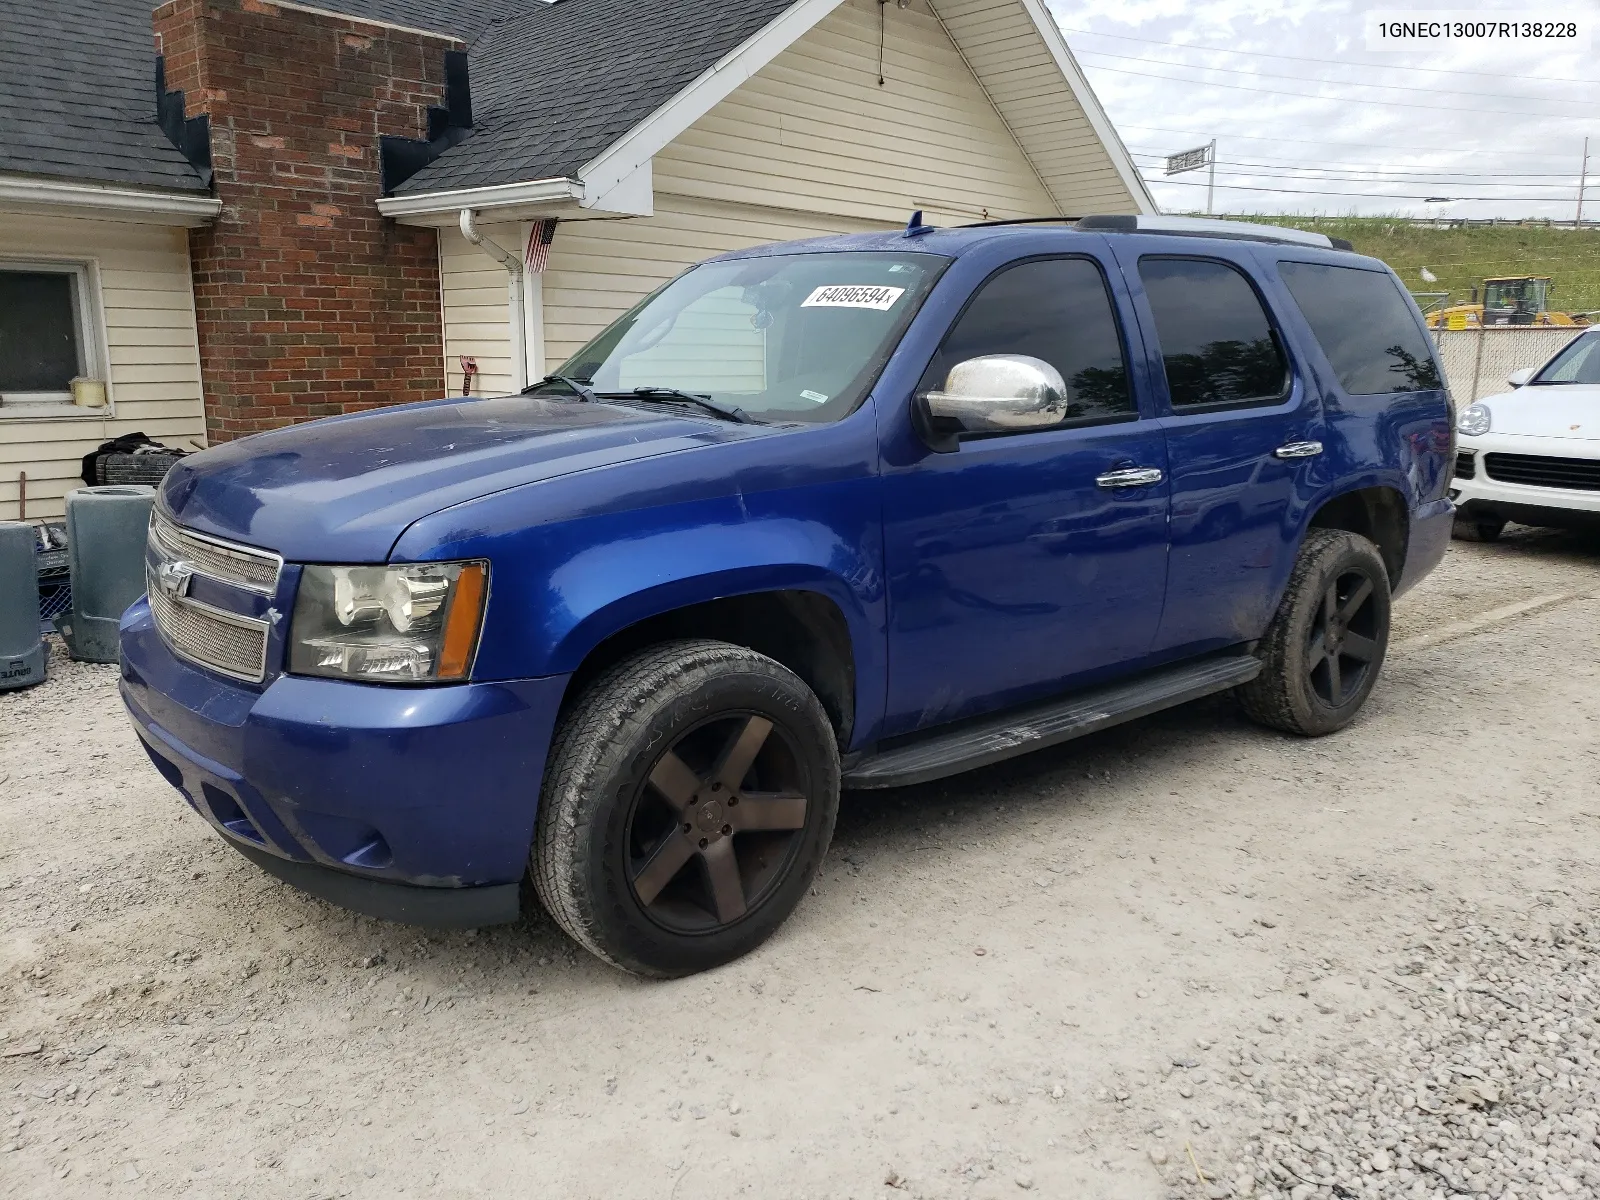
(1024, 562)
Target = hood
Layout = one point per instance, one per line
(344, 489)
(1558, 410)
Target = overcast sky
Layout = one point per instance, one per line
(1502, 121)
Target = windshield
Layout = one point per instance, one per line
(794, 337)
(1578, 363)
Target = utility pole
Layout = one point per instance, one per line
(1211, 178)
(1583, 180)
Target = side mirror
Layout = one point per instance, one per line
(1517, 378)
(997, 393)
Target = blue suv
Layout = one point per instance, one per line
(856, 512)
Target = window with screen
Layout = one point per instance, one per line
(1055, 309)
(1366, 328)
(41, 332)
(1217, 345)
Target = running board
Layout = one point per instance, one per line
(1024, 730)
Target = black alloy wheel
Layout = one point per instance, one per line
(716, 823)
(1343, 645)
(1322, 652)
(688, 801)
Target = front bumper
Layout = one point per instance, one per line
(364, 794)
(1528, 504)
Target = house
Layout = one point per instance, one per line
(236, 214)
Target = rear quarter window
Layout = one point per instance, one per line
(1366, 328)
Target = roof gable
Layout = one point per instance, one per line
(590, 90)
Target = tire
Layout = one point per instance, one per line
(1477, 529)
(1303, 689)
(643, 853)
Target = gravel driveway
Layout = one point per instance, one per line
(1360, 966)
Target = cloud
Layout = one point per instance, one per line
(1308, 120)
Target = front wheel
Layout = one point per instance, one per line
(688, 802)
(1323, 651)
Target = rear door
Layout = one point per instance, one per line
(1242, 426)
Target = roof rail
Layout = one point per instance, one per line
(1020, 221)
(1210, 227)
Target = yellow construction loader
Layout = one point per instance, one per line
(1511, 300)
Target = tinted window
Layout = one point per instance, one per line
(1365, 328)
(1216, 342)
(38, 331)
(1056, 309)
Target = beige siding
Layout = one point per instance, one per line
(475, 308)
(813, 130)
(146, 307)
(1022, 79)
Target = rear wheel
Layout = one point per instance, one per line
(1477, 529)
(1323, 651)
(688, 802)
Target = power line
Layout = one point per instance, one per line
(1319, 61)
(1239, 187)
(1568, 188)
(1451, 108)
(1388, 177)
(1257, 137)
(1239, 162)
(1394, 87)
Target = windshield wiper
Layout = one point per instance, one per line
(578, 386)
(726, 412)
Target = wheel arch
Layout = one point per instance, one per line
(1378, 512)
(796, 616)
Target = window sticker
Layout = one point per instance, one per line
(814, 397)
(880, 299)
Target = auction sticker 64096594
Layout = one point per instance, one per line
(854, 295)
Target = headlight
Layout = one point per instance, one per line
(416, 623)
(1474, 420)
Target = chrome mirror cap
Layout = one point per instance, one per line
(1000, 392)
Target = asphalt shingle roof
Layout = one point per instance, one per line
(552, 84)
(556, 85)
(78, 95)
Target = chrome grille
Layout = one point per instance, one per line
(254, 569)
(226, 643)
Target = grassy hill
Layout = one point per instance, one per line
(1463, 258)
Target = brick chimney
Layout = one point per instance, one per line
(308, 302)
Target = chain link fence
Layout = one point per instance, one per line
(1477, 361)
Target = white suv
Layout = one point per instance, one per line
(1532, 455)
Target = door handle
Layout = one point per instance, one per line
(1298, 450)
(1130, 477)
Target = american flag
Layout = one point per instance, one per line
(539, 239)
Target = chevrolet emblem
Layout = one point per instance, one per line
(174, 579)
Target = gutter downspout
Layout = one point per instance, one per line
(518, 318)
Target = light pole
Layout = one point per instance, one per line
(1583, 180)
(1211, 176)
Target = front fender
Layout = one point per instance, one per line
(578, 559)
(603, 587)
